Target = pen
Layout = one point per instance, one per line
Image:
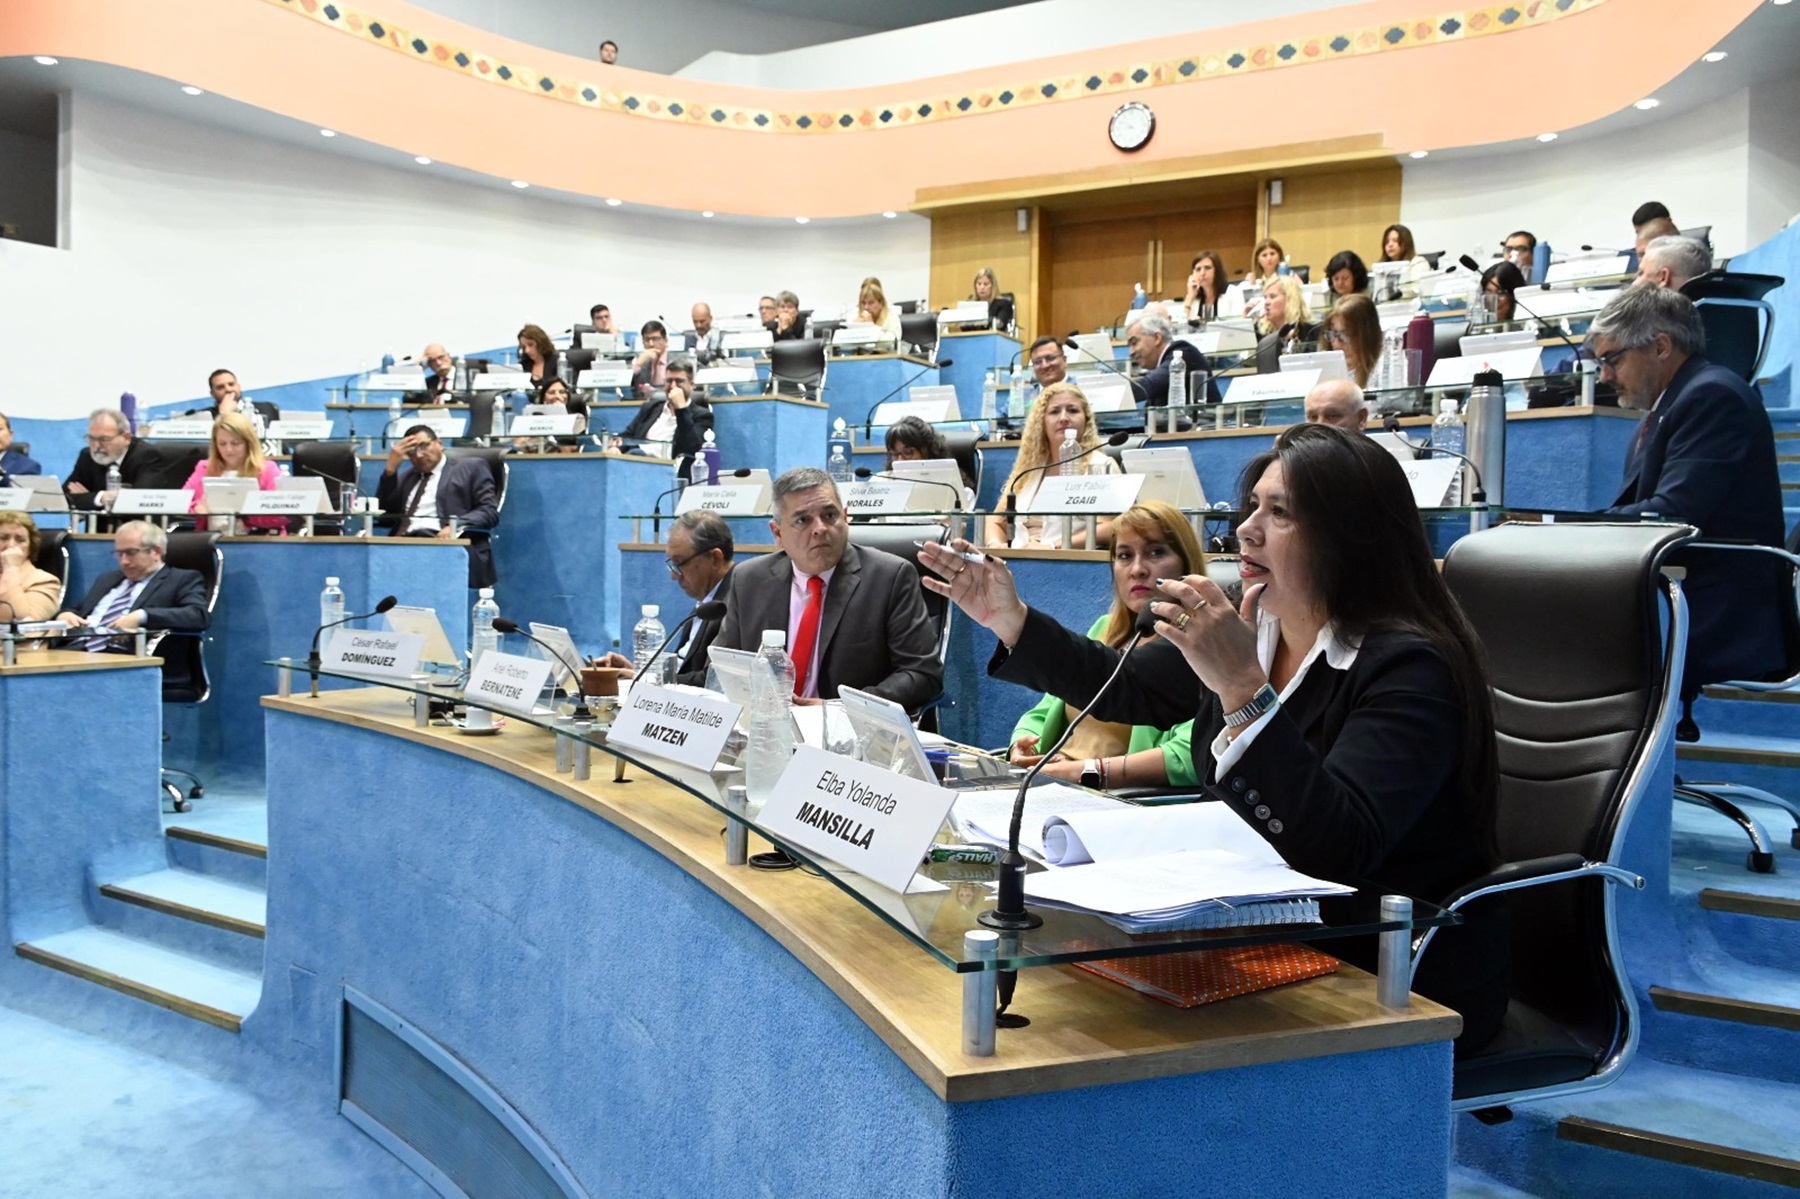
(965, 555)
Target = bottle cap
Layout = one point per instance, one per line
(838, 425)
(331, 580)
(486, 593)
(650, 609)
(774, 638)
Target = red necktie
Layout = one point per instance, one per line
(808, 634)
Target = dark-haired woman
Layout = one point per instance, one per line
(1346, 275)
(1397, 246)
(1500, 281)
(1343, 708)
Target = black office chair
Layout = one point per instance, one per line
(495, 457)
(920, 331)
(907, 307)
(1585, 678)
(964, 446)
(799, 366)
(1739, 322)
(481, 415)
(184, 677)
(333, 461)
(169, 462)
(1305, 273)
(902, 541)
(53, 558)
(578, 360)
(1136, 441)
(1446, 339)
(1700, 233)
(822, 330)
(1432, 257)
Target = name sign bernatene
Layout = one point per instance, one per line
(874, 821)
(510, 681)
(688, 726)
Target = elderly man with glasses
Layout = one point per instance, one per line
(109, 443)
(700, 552)
(142, 593)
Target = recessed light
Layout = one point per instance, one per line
(1546, 137)
(44, 60)
(1647, 103)
(1715, 56)
(611, 202)
(327, 133)
(707, 215)
(520, 184)
(890, 215)
(1418, 153)
(421, 160)
(191, 90)
(1779, 3)
(801, 220)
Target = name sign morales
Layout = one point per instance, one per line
(873, 821)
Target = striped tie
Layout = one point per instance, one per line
(113, 612)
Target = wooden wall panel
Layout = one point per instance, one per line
(1322, 213)
(963, 243)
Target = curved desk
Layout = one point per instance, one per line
(668, 1024)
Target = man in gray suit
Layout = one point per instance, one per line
(854, 617)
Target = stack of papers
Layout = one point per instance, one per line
(985, 817)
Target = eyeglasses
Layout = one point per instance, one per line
(675, 567)
(1047, 360)
(132, 552)
(1610, 361)
(1335, 337)
(106, 440)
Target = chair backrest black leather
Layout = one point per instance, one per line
(53, 558)
(481, 413)
(920, 330)
(1446, 339)
(964, 446)
(1305, 273)
(799, 364)
(1739, 322)
(170, 462)
(578, 360)
(495, 458)
(1432, 257)
(1570, 617)
(901, 540)
(333, 461)
(185, 679)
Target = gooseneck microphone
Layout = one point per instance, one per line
(1469, 263)
(869, 416)
(864, 474)
(312, 659)
(1391, 424)
(1012, 495)
(1069, 343)
(710, 610)
(503, 625)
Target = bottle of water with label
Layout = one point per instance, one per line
(990, 396)
(646, 636)
(709, 453)
(483, 637)
(1069, 458)
(1178, 389)
(331, 602)
(770, 723)
(115, 482)
(1448, 433)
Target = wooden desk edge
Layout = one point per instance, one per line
(73, 661)
(1085, 1032)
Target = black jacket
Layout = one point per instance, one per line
(691, 424)
(173, 600)
(1152, 388)
(693, 663)
(466, 491)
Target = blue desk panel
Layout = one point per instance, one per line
(268, 608)
(854, 384)
(973, 355)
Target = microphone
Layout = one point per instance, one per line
(1117, 439)
(331, 478)
(1069, 343)
(1391, 424)
(312, 659)
(1556, 329)
(865, 474)
(710, 610)
(502, 625)
(869, 416)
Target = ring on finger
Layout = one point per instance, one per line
(1181, 622)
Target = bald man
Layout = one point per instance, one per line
(705, 343)
(1337, 402)
(442, 379)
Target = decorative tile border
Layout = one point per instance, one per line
(1220, 63)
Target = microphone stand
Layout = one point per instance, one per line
(502, 624)
(1012, 495)
(1588, 377)
(312, 658)
(1477, 494)
(869, 416)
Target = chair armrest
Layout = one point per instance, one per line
(1534, 872)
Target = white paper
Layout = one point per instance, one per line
(1073, 838)
(985, 817)
(684, 724)
(1164, 882)
(1282, 385)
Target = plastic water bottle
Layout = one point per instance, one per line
(459, 375)
(115, 482)
(1448, 433)
(1178, 389)
(990, 395)
(1018, 402)
(331, 602)
(483, 639)
(698, 476)
(1392, 372)
(771, 725)
(709, 453)
(646, 636)
(1069, 455)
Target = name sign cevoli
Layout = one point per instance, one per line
(873, 821)
(685, 725)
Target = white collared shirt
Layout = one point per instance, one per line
(125, 587)
(797, 597)
(425, 516)
(1339, 655)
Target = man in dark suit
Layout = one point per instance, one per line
(1151, 340)
(434, 491)
(141, 594)
(12, 462)
(700, 549)
(108, 443)
(674, 421)
(854, 617)
(1704, 455)
(228, 397)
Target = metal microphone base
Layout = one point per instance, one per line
(1021, 921)
(1009, 913)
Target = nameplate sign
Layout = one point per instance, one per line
(877, 498)
(500, 381)
(300, 429)
(510, 681)
(284, 503)
(378, 654)
(725, 500)
(929, 411)
(14, 499)
(684, 725)
(1083, 494)
(1262, 389)
(153, 501)
(1600, 266)
(603, 377)
(1512, 365)
(544, 425)
(873, 821)
(1430, 481)
(435, 419)
(182, 428)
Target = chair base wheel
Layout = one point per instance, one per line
(1761, 863)
(1493, 1115)
(1794, 838)
(197, 792)
(183, 805)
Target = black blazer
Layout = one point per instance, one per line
(465, 491)
(1268, 350)
(1354, 779)
(140, 461)
(173, 599)
(1707, 458)
(873, 634)
(691, 424)
(1152, 388)
(693, 662)
(795, 331)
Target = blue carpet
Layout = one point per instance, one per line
(82, 1116)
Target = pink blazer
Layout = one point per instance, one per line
(196, 487)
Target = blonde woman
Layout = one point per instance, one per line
(1285, 322)
(235, 454)
(872, 306)
(1059, 408)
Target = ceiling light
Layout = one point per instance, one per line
(1714, 56)
(520, 184)
(191, 90)
(422, 160)
(44, 60)
(1546, 137)
(327, 133)
(1418, 153)
(1647, 103)
(613, 203)
(801, 220)
(1778, 3)
(890, 215)
(707, 215)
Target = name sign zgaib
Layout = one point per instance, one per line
(364, 651)
(685, 726)
(1081, 494)
(510, 681)
(873, 821)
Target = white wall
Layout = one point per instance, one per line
(192, 248)
(1583, 190)
(1774, 182)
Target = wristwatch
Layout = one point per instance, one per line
(1264, 699)
(1090, 774)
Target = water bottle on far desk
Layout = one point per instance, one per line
(115, 482)
(771, 724)
(990, 395)
(331, 602)
(1448, 433)
(1068, 455)
(646, 636)
(1178, 388)
(698, 475)
(483, 639)
(837, 452)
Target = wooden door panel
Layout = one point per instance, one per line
(1094, 264)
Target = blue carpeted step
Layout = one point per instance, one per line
(1726, 1016)
(180, 982)
(1772, 763)
(1659, 1130)
(1740, 713)
(1754, 918)
(228, 838)
(218, 920)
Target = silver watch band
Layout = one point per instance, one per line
(1264, 699)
